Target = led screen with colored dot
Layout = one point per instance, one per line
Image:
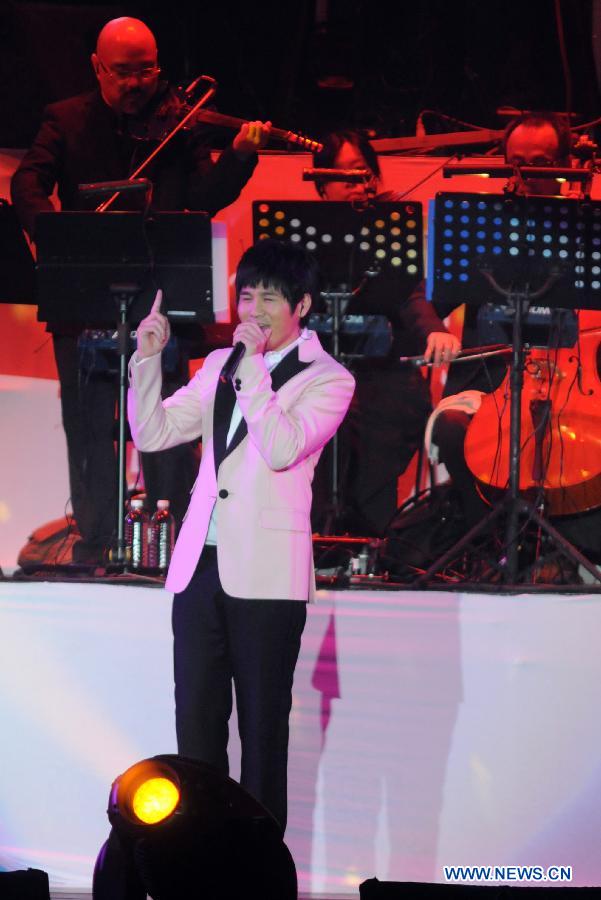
(348, 241)
(548, 244)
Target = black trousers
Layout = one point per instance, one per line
(88, 411)
(255, 644)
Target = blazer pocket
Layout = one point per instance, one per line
(284, 519)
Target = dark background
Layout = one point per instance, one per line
(310, 65)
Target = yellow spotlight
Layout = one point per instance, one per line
(155, 800)
(146, 794)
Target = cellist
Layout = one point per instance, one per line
(533, 139)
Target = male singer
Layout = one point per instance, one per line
(242, 568)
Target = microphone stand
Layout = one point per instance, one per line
(123, 295)
(335, 299)
(338, 301)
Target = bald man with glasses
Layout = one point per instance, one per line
(96, 137)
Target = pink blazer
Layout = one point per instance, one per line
(262, 486)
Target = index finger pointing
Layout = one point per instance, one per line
(156, 306)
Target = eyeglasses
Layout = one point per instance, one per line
(541, 161)
(146, 73)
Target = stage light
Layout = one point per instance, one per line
(155, 800)
(180, 829)
(146, 793)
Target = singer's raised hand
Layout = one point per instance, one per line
(153, 331)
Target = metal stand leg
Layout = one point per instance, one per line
(336, 298)
(123, 294)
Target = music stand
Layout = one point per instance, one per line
(349, 240)
(546, 250)
(97, 268)
(353, 244)
(79, 254)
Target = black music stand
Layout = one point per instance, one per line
(79, 254)
(546, 250)
(353, 244)
(97, 268)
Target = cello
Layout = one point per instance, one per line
(560, 417)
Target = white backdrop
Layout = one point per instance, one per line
(428, 729)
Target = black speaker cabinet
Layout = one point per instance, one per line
(30, 884)
(415, 890)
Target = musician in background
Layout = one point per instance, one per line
(533, 139)
(103, 136)
(386, 422)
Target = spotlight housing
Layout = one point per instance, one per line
(147, 793)
(180, 829)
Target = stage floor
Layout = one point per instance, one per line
(428, 729)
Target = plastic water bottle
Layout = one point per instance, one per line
(161, 534)
(136, 523)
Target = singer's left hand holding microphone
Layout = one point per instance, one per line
(153, 331)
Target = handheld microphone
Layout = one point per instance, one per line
(232, 362)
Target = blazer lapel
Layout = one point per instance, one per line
(287, 369)
(290, 366)
(225, 400)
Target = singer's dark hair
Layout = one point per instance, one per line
(537, 120)
(332, 144)
(288, 268)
